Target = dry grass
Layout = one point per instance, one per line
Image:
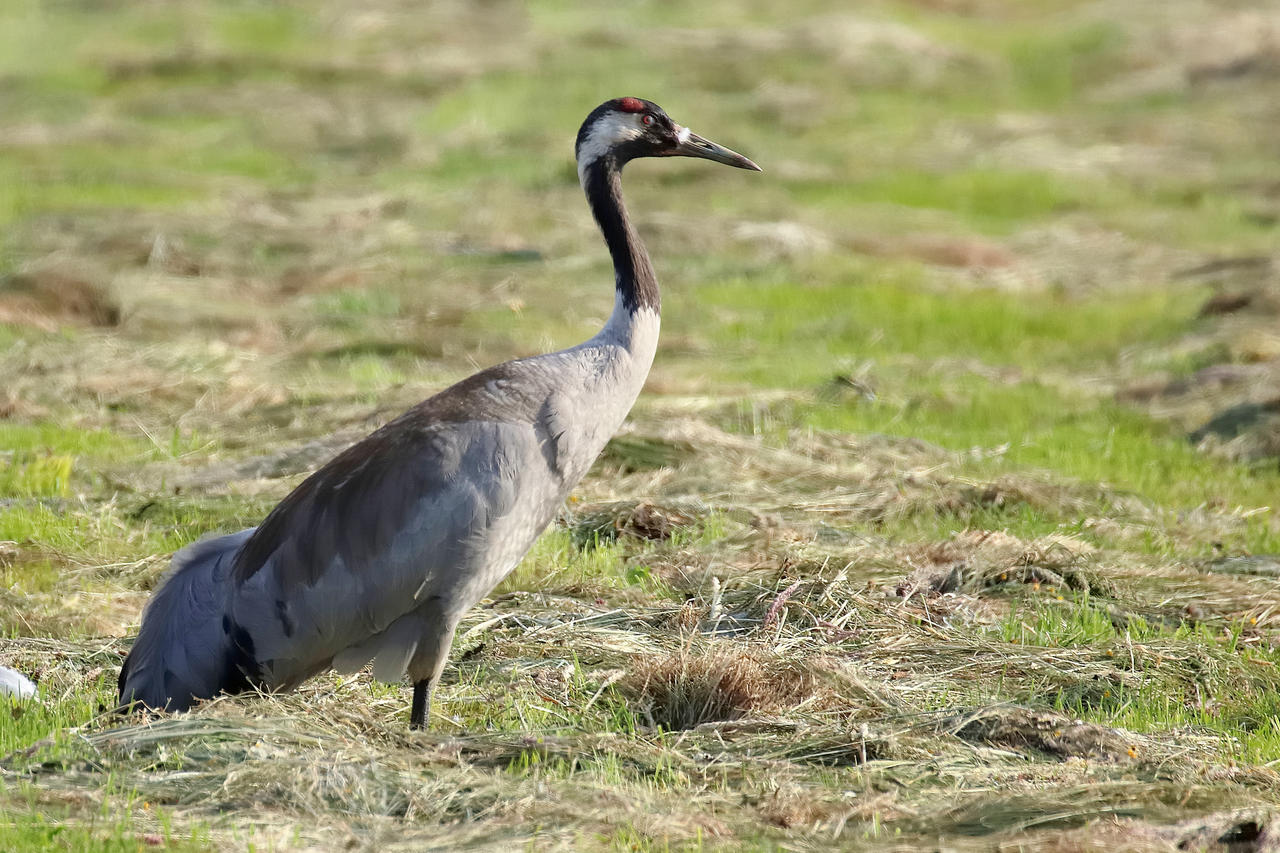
(719, 684)
(646, 520)
(583, 717)
(46, 299)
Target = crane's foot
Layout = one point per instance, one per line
(421, 705)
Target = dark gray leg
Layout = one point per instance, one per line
(429, 660)
(421, 705)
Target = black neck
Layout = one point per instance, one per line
(636, 282)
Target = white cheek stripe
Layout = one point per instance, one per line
(609, 131)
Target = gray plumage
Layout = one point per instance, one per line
(377, 556)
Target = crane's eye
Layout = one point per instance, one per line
(646, 119)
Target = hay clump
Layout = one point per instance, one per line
(1043, 731)
(684, 690)
(643, 520)
(976, 560)
(45, 299)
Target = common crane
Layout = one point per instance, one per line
(378, 554)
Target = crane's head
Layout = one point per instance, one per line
(626, 128)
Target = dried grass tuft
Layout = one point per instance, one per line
(976, 560)
(635, 520)
(48, 298)
(1042, 731)
(726, 682)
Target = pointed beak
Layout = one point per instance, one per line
(691, 144)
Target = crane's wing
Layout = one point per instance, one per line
(429, 506)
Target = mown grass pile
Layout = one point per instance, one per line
(946, 516)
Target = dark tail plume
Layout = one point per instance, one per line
(188, 649)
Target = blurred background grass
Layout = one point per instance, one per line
(985, 210)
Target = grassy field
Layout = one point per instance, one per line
(944, 522)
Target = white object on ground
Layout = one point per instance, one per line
(14, 683)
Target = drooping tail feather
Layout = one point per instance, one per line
(187, 648)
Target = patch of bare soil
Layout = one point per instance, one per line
(967, 252)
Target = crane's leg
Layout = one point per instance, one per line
(421, 705)
(427, 665)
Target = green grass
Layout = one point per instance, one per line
(49, 437)
(1075, 623)
(988, 200)
(558, 563)
(1033, 427)
(1006, 374)
(1050, 69)
(472, 704)
(65, 536)
(1226, 687)
(105, 834)
(54, 718)
(51, 459)
(842, 312)
(43, 476)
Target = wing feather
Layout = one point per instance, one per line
(357, 548)
(439, 503)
